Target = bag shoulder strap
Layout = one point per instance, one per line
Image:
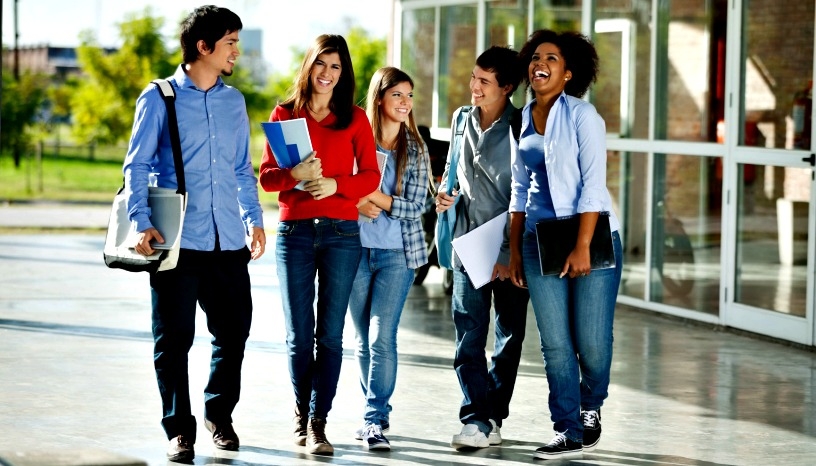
(459, 131)
(515, 124)
(169, 97)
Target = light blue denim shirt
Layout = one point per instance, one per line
(574, 154)
(222, 193)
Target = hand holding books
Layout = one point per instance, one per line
(309, 169)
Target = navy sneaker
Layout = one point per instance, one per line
(592, 428)
(559, 447)
(373, 438)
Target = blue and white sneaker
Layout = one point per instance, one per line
(358, 434)
(373, 438)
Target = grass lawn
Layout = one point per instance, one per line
(72, 175)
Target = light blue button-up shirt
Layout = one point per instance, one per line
(222, 193)
(573, 151)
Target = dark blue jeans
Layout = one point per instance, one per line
(218, 281)
(329, 250)
(487, 393)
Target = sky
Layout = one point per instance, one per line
(285, 23)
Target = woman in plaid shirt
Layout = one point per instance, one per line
(393, 245)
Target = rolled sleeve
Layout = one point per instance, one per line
(591, 135)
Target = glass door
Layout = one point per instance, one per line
(771, 195)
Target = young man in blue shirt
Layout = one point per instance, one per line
(222, 211)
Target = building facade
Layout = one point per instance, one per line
(708, 113)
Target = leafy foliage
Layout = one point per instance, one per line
(22, 102)
(367, 55)
(102, 104)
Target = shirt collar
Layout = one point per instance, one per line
(185, 82)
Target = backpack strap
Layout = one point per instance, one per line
(461, 119)
(169, 97)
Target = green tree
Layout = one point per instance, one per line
(367, 56)
(22, 102)
(102, 104)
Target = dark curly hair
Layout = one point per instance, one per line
(578, 52)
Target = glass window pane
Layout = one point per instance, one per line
(686, 236)
(558, 15)
(622, 39)
(416, 57)
(626, 180)
(457, 56)
(692, 74)
(777, 74)
(506, 23)
(772, 236)
(507, 26)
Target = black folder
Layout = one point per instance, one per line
(557, 237)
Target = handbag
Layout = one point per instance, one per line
(167, 211)
(446, 220)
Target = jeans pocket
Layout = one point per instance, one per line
(346, 228)
(286, 228)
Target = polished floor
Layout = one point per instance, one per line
(76, 378)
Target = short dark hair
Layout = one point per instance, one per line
(579, 54)
(503, 61)
(208, 23)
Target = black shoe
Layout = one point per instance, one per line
(301, 421)
(316, 441)
(224, 436)
(559, 447)
(180, 450)
(592, 428)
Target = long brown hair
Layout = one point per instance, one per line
(342, 100)
(383, 80)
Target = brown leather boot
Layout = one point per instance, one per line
(316, 442)
(300, 420)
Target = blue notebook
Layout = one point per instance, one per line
(289, 141)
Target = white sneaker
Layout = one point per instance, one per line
(495, 434)
(470, 437)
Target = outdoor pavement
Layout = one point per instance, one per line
(77, 383)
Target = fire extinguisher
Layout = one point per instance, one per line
(802, 109)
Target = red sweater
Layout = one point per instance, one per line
(337, 149)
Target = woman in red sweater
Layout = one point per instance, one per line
(318, 234)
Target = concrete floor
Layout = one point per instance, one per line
(77, 384)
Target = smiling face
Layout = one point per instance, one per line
(397, 102)
(222, 58)
(325, 73)
(548, 72)
(485, 91)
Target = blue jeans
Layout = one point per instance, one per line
(574, 318)
(326, 249)
(377, 298)
(218, 281)
(487, 393)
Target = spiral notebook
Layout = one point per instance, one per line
(557, 237)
